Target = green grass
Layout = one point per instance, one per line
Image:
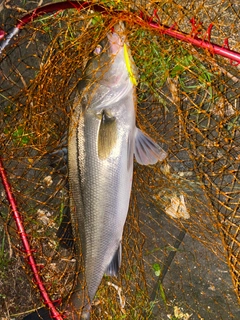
(157, 271)
(160, 58)
(19, 136)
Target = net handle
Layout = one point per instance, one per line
(223, 50)
(28, 251)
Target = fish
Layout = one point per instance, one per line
(102, 142)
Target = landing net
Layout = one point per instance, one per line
(182, 235)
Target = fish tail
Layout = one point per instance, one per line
(78, 306)
(73, 314)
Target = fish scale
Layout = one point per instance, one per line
(101, 202)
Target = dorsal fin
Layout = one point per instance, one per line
(65, 232)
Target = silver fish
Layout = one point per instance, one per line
(103, 139)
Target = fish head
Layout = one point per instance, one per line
(112, 64)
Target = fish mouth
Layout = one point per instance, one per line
(116, 43)
(116, 38)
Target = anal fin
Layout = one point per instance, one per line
(114, 266)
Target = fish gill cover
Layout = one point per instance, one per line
(180, 247)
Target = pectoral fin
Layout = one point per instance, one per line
(147, 151)
(114, 266)
(107, 135)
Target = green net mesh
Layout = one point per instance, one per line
(182, 235)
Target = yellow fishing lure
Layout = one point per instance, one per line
(128, 65)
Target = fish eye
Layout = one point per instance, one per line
(97, 50)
